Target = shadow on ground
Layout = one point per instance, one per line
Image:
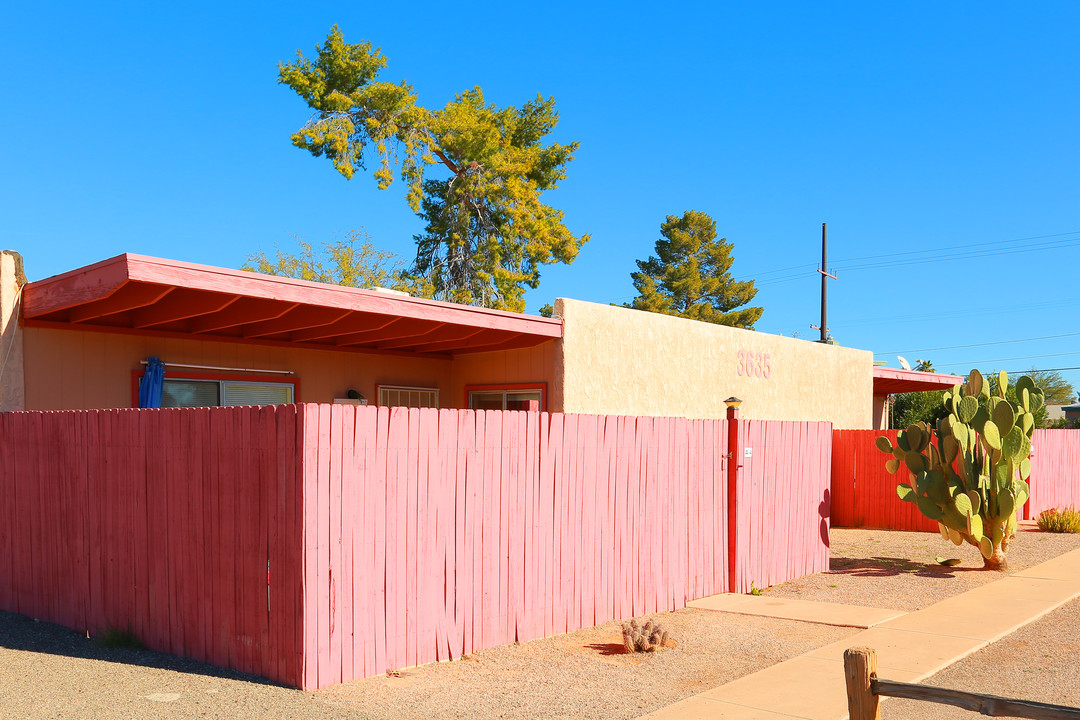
(887, 567)
(608, 649)
(18, 632)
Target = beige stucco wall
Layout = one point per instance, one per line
(12, 396)
(75, 369)
(614, 360)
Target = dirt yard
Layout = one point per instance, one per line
(50, 672)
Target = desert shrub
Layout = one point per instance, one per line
(1060, 520)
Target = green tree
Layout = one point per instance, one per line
(487, 231)
(690, 275)
(913, 407)
(1058, 391)
(353, 261)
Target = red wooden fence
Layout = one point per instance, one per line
(163, 522)
(1055, 470)
(314, 544)
(864, 494)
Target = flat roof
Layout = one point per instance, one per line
(888, 381)
(138, 294)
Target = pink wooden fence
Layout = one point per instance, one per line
(1055, 470)
(783, 501)
(314, 544)
(163, 522)
(864, 494)
(477, 529)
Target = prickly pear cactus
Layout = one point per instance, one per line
(648, 638)
(970, 472)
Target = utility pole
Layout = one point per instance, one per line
(824, 279)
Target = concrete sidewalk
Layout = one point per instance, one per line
(910, 647)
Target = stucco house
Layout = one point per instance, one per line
(81, 340)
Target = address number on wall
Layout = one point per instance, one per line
(753, 364)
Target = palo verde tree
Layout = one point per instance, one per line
(352, 261)
(690, 275)
(487, 231)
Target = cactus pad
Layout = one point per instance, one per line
(883, 444)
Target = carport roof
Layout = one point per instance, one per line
(138, 294)
(889, 381)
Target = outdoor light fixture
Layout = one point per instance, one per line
(733, 402)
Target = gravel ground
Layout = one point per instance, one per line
(1037, 662)
(50, 672)
(897, 570)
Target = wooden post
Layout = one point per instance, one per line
(860, 666)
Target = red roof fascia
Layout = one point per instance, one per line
(889, 381)
(99, 281)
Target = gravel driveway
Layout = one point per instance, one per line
(50, 672)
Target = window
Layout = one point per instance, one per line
(507, 397)
(208, 393)
(413, 397)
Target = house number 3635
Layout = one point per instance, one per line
(753, 364)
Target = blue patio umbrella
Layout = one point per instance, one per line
(153, 380)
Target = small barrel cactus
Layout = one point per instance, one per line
(648, 638)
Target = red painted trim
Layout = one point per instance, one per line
(888, 381)
(541, 386)
(136, 377)
(97, 281)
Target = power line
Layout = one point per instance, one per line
(960, 247)
(940, 254)
(1025, 357)
(1003, 309)
(960, 347)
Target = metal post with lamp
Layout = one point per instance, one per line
(734, 463)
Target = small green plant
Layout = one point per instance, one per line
(1060, 520)
(118, 637)
(754, 590)
(648, 638)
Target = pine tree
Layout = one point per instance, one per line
(690, 275)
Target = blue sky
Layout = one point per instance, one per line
(938, 141)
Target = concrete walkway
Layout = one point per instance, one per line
(910, 647)
(802, 610)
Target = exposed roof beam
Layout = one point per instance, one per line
(127, 297)
(350, 324)
(242, 312)
(180, 305)
(400, 328)
(303, 316)
(449, 333)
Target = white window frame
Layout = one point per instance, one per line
(223, 387)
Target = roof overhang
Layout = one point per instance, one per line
(137, 294)
(888, 381)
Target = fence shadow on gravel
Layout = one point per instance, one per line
(18, 632)
(889, 567)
